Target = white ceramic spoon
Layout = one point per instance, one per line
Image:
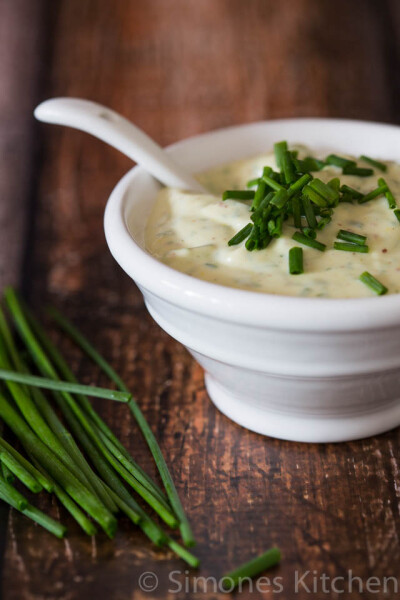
(115, 130)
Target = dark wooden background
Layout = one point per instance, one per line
(177, 68)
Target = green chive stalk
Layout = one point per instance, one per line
(9, 494)
(62, 386)
(46, 368)
(172, 494)
(116, 447)
(33, 513)
(41, 478)
(70, 445)
(34, 446)
(74, 510)
(7, 475)
(19, 471)
(47, 426)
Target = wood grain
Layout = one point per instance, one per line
(177, 68)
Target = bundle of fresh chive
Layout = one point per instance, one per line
(77, 457)
(293, 192)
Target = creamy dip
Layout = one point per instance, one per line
(189, 232)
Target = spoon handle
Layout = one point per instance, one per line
(115, 130)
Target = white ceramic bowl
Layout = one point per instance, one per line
(305, 369)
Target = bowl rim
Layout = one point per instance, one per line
(257, 309)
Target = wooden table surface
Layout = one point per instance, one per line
(178, 68)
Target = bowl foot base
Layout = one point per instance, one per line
(299, 427)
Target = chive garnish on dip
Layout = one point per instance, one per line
(373, 194)
(279, 149)
(296, 261)
(238, 195)
(359, 171)
(241, 235)
(349, 236)
(293, 194)
(272, 183)
(346, 189)
(339, 161)
(375, 285)
(314, 196)
(298, 185)
(389, 196)
(328, 192)
(307, 241)
(374, 163)
(351, 247)
(253, 182)
(308, 211)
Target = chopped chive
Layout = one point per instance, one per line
(272, 183)
(349, 236)
(375, 285)
(389, 195)
(339, 161)
(238, 195)
(359, 171)
(310, 233)
(251, 568)
(296, 212)
(265, 201)
(296, 261)
(262, 213)
(187, 556)
(275, 226)
(350, 247)
(74, 510)
(63, 386)
(327, 192)
(314, 196)
(397, 213)
(309, 212)
(346, 189)
(241, 235)
(253, 182)
(298, 185)
(346, 198)
(374, 163)
(259, 195)
(306, 241)
(373, 194)
(288, 167)
(280, 199)
(253, 239)
(323, 222)
(334, 184)
(279, 149)
(308, 164)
